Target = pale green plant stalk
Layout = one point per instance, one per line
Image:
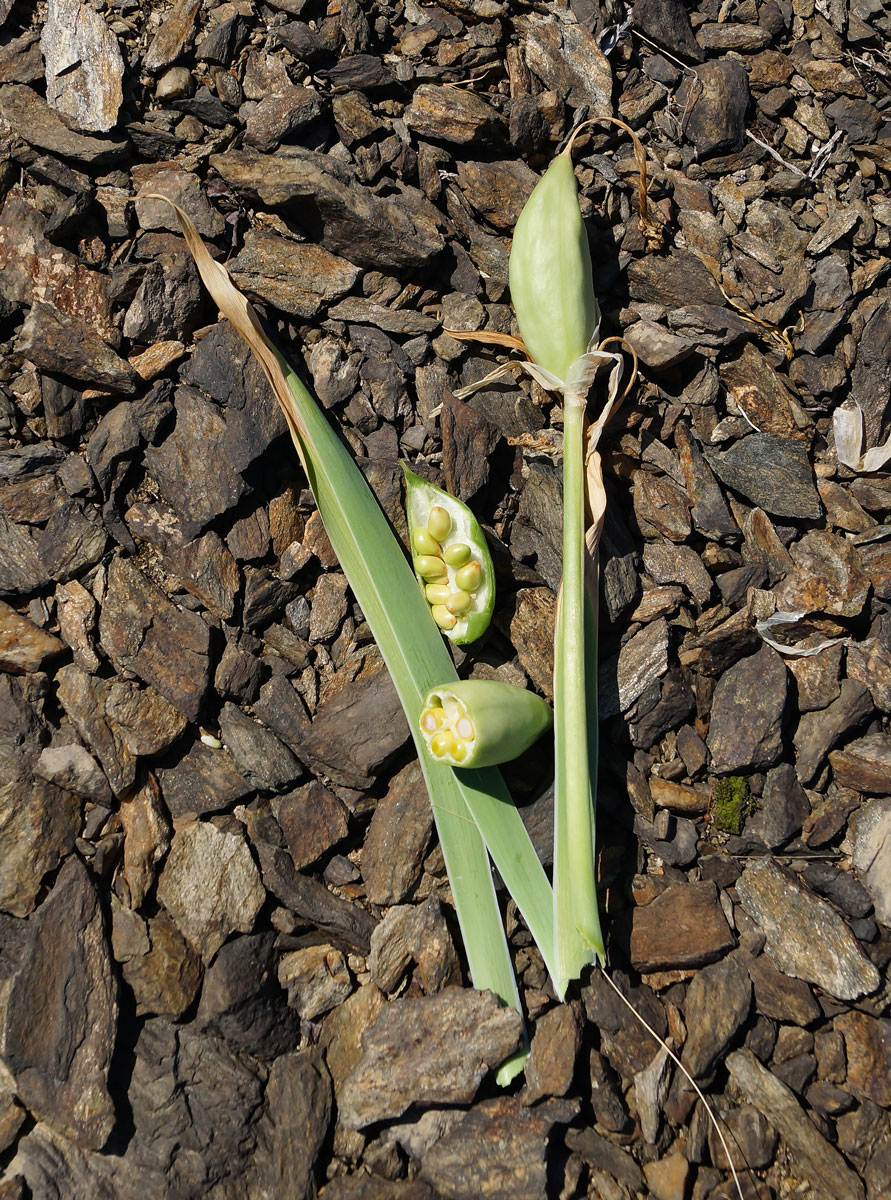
(472, 808)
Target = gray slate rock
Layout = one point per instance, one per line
(242, 1002)
(823, 1166)
(684, 927)
(297, 277)
(264, 761)
(204, 780)
(871, 829)
(498, 1149)
(210, 886)
(67, 345)
(397, 838)
(805, 935)
(298, 1107)
(60, 1020)
(818, 732)
(782, 808)
(747, 712)
(83, 66)
(143, 632)
(75, 770)
(427, 1051)
(717, 1005)
(668, 23)
(719, 99)
(83, 697)
(773, 473)
(35, 122)
(370, 231)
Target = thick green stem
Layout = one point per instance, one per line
(578, 940)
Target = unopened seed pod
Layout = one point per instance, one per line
(461, 558)
(549, 269)
(481, 722)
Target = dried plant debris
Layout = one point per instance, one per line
(229, 961)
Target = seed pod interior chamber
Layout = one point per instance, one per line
(451, 560)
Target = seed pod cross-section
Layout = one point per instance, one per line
(481, 722)
(450, 559)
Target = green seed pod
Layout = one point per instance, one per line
(550, 273)
(481, 722)
(428, 566)
(468, 578)
(425, 543)
(439, 523)
(457, 554)
(436, 514)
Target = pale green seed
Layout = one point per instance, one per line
(458, 602)
(443, 618)
(469, 578)
(457, 554)
(439, 522)
(429, 566)
(425, 542)
(437, 593)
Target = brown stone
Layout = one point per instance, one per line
(684, 927)
(868, 1048)
(865, 764)
(24, 647)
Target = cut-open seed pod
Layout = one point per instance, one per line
(451, 559)
(481, 722)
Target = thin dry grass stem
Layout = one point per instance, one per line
(651, 225)
(725, 1145)
(633, 377)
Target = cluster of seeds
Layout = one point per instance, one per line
(450, 731)
(451, 575)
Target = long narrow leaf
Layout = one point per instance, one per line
(472, 809)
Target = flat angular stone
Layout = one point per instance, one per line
(828, 577)
(204, 780)
(241, 1001)
(21, 569)
(773, 473)
(821, 1164)
(355, 729)
(204, 564)
(779, 996)
(414, 936)
(146, 722)
(32, 267)
(308, 898)
(196, 495)
(141, 631)
(554, 1051)
(568, 60)
(805, 936)
(57, 341)
(158, 964)
(280, 115)
(183, 188)
(817, 678)
(868, 1049)
(299, 1106)
(717, 1005)
(83, 66)
(316, 978)
(59, 1024)
(35, 122)
(296, 277)
(173, 34)
(313, 820)
(74, 770)
(70, 542)
(210, 886)
(263, 760)
(397, 838)
(427, 1051)
(23, 646)
(818, 732)
(83, 698)
(783, 807)
(668, 23)
(715, 122)
(499, 1146)
(760, 392)
(871, 829)
(668, 563)
(684, 927)
(643, 658)
(146, 841)
(869, 662)
(865, 764)
(452, 115)
(372, 232)
(747, 711)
